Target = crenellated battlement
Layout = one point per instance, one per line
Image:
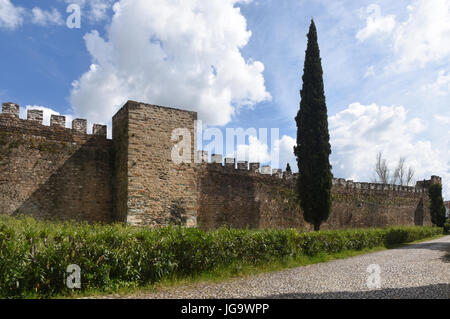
(340, 183)
(230, 166)
(56, 172)
(9, 118)
(11, 109)
(250, 195)
(427, 183)
(51, 171)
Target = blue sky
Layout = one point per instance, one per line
(239, 64)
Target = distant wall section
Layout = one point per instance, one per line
(263, 198)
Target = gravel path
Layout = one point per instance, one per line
(416, 271)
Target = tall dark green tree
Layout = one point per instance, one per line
(313, 147)
(437, 208)
(288, 168)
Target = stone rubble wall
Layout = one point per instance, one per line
(152, 190)
(53, 172)
(249, 196)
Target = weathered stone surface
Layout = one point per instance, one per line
(100, 130)
(216, 158)
(53, 172)
(230, 162)
(266, 170)
(277, 172)
(50, 173)
(242, 166)
(236, 199)
(35, 115)
(79, 125)
(151, 189)
(254, 168)
(11, 109)
(57, 120)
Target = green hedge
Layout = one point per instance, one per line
(34, 255)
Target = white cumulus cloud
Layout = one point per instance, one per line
(10, 16)
(425, 36)
(254, 152)
(285, 149)
(43, 17)
(441, 119)
(257, 151)
(174, 53)
(376, 23)
(421, 39)
(359, 132)
(441, 86)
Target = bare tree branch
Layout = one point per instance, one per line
(381, 169)
(400, 172)
(409, 175)
(402, 175)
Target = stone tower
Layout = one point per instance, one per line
(150, 188)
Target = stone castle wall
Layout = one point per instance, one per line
(54, 172)
(263, 198)
(151, 188)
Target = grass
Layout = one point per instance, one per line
(222, 274)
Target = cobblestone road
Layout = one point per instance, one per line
(415, 271)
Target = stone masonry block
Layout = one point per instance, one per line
(11, 109)
(254, 167)
(277, 172)
(266, 170)
(216, 158)
(230, 162)
(99, 130)
(35, 116)
(79, 125)
(242, 165)
(57, 120)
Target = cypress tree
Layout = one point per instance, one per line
(288, 168)
(313, 140)
(437, 208)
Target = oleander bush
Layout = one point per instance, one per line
(34, 255)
